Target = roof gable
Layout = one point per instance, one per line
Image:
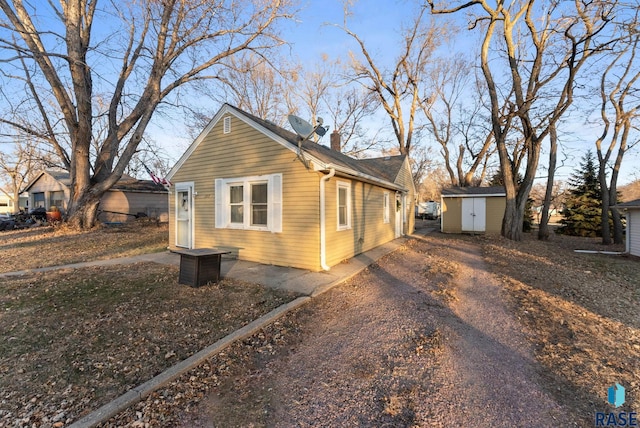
(60, 176)
(384, 171)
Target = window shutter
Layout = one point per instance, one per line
(220, 205)
(275, 203)
(226, 122)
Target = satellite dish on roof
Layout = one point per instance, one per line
(303, 128)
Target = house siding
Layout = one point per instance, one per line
(495, 214)
(116, 204)
(451, 215)
(368, 229)
(47, 184)
(633, 232)
(217, 157)
(405, 179)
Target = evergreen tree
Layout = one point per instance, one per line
(583, 208)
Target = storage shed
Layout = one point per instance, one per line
(632, 210)
(472, 209)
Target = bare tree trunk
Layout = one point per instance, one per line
(543, 230)
(86, 213)
(198, 34)
(604, 217)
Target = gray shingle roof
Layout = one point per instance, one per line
(126, 182)
(385, 168)
(470, 191)
(630, 204)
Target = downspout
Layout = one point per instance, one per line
(323, 225)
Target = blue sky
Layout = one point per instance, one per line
(378, 23)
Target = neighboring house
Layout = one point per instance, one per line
(632, 210)
(7, 205)
(244, 185)
(472, 209)
(126, 199)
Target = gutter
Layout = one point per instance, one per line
(323, 223)
(366, 178)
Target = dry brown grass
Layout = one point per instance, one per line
(71, 340)
(52, 246)
(582, 311)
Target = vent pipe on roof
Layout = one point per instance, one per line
(335, 141)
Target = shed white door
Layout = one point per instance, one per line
(184, 213)
(474, 214)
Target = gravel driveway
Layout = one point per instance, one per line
(422, 338)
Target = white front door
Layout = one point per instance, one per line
(474, 214)
(399, 207)
(184, 215)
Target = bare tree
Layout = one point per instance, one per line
(155, 48)
(543, 227)
(399, 88)
(454, 115)
(544, 47)
(18, 167)
(435, 179)
(323, 91)
(258, 85)
(619, 113)
(349, 108)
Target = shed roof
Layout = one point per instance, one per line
(629, 205)
(473, 191)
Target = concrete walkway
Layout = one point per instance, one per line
(291, 279)
(308, 284)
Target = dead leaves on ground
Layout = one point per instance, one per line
(73, 340)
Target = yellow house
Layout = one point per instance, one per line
(251, 187)
(472, 209)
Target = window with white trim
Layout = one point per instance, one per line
(253, 203)
(344, 205)
(386, 207)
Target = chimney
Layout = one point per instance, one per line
(335, 141)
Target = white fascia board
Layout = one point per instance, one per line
(366, 177)
(479, 195)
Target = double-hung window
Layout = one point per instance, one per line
(236, 203)
(259, 204)
(344, 205)
(253, 203)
